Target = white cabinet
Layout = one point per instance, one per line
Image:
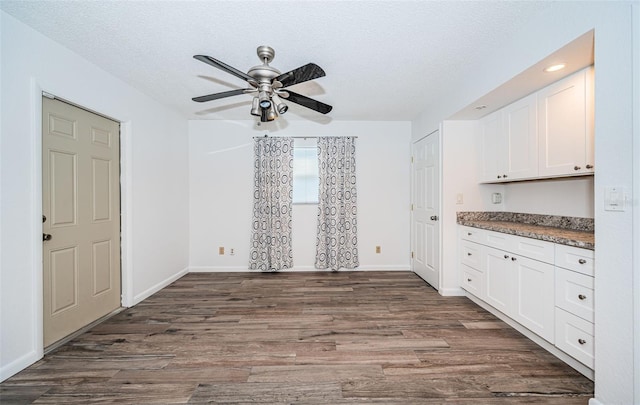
(574, 303)
(547, 288)
(520, 134)
(494, 162)
(546, 134)
(534, 307)
(565, 112)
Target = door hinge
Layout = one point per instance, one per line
(411, 207)
(411, 159)
(412, 255)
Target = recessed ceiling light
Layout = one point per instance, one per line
(556, 67)
(481, 107)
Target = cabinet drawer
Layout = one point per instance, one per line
(472, 281)
(576, 259)
(574, 293)
(472, 234)
(471, 254)
(499, 240)
(533, 248)
(575, 336)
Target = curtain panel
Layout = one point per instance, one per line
(272, 200)
(337, 241)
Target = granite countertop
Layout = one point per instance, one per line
(569, 231)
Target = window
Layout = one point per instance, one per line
(305, 175)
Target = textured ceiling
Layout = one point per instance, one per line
(385, 60)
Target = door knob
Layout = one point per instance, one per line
(46, 237)
(434, 217)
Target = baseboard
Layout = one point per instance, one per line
(594, 401)
(159, 286)
(18, 365)
(232, 269)
(452, 292)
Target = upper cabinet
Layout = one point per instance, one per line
(546, 134)
(565, 111)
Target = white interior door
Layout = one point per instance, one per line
(81, 218)
(425, 236)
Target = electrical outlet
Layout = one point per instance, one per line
(221, 250)
(459, 198)
(377, 249)
(232, 252)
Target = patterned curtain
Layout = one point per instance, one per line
(337, 241)
(272, 198)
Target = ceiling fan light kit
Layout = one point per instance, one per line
(267, 84)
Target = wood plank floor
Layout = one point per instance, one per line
(330, 338)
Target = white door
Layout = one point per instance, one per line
(426, 209)
(499, 280)
(535, 298)
(521, 132)
(81, 218)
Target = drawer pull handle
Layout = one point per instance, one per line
(513, 259)
(582, 261)
(582, 297)
(582, 341)
(506, 256)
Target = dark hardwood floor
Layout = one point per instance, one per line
(331, 338)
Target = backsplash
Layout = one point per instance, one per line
(573, 223)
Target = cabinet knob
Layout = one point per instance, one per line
(589, 166)
(469, 254)
(469, 280)
(577, 167)
(506, 256)
(582, 261)
(469, 234)
(499, 176)
(582, 341)
(513, 259)
(582, 297)
(504, 175)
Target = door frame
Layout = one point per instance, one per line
(38, 90)
(438, 133)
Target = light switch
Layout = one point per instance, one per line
(614, 198)
(459, 198)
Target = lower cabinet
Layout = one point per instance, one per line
(545, 287)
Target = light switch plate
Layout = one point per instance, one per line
(614, 198)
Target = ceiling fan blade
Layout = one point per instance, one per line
(308, 102)
(216, 96)
(304, 73)
(223, 66)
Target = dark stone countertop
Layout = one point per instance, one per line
(561, 230)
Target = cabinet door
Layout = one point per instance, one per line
(499, 280)
(493, 148)
(520, 130)
(565, 112)
(535, 296)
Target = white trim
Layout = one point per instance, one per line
(159, 286)
(573, 363)
(19, 364)
(452, 292)
(37, 316)
(635, 204)
(594, 401)
(240, 269)
(126, 214)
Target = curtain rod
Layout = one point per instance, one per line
(301, 137)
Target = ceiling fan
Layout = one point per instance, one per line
(268, 84)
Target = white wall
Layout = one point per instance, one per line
(569, 197)
(614, 132)
(460, 175)
(221, 193)
(155, 187)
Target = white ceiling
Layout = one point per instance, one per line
(385, 60)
